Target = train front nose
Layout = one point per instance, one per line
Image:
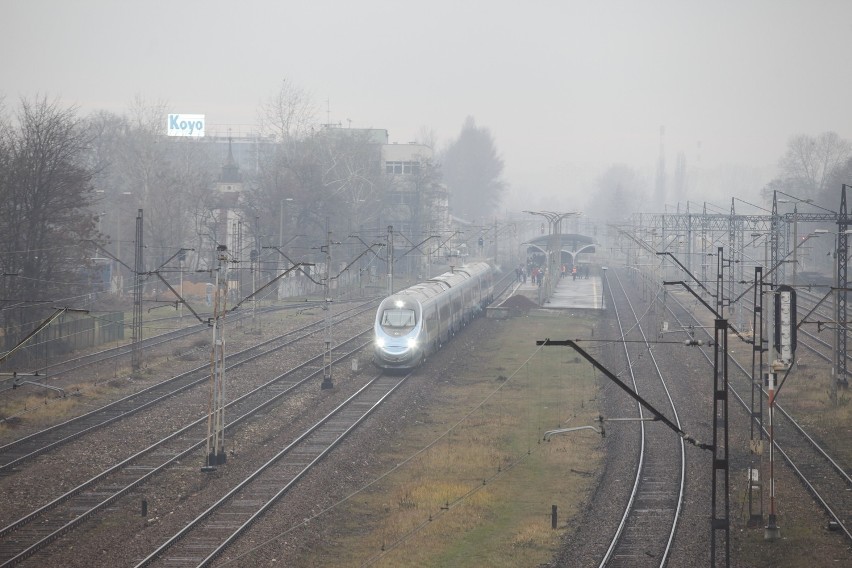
(397, 352)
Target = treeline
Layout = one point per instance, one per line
(812, 169)
(70, 187)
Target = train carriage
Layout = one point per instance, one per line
(414, 322)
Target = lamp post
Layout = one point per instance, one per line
(795, 203)
(281, 221)
(120, 278)
(180, 285)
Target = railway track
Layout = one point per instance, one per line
(645, 532)
(17, 452)
(810, 341)
(207, 536)
(824, 476)
(36, 530)
(56, 370)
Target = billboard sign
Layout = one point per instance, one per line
(186, 125)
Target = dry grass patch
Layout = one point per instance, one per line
(38, 409)
(807, 396)
(534, 535)
(114, 380)
(477, 482)
(41, 409)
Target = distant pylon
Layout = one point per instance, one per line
(660, 186)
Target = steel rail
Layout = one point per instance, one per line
(639, 467)
(55, 370)
(338, 437)
(609, 559)
(114, 494)
(820, 451)
(219, 504)
(113, 411)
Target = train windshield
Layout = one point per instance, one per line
(398, 317)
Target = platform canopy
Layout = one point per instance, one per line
(572, 244)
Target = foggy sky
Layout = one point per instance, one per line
(566, 87)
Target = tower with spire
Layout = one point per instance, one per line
(230, 180)
(228, 227)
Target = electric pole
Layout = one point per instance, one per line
(136, 352)
(216, 407)
(326, 368)
(390, 260)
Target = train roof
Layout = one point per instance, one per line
(445, 281)
(460, 274)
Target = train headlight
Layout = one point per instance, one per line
(380, 342)
(412, 343)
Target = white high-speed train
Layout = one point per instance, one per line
(416, 321)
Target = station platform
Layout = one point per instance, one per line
(582, 293)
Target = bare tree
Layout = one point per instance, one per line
(181, 185)
(841, 175)
(332, 174)
(427, 137)
(108, 132)
(137, 167)
(810, 161)
(289, 114)
(142, 155)
(45, 188)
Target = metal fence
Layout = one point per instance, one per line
(70, 332)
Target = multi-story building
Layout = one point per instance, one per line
(417, 203)
(406, 194)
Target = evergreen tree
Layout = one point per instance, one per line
(472, 171)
